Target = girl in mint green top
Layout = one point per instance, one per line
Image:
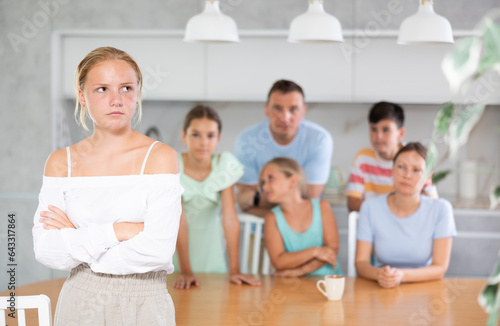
(209, 226)
(301, 234)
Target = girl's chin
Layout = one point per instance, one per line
(273, 200)
(269, 197)
(406, 191)
(114, 126)
(202, 155)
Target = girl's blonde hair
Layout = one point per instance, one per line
(92, 59)
(289, 167)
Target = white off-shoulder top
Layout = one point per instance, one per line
(94, 204)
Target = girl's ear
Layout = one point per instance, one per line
(402, 133)
(81, 98)
(294, 180)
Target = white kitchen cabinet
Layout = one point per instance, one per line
(247, 70)
(384, 70)
(359, 70)
(172, 69)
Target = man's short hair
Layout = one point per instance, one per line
(387, 111)
(285, 86)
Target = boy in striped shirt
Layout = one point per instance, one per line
(371, 171)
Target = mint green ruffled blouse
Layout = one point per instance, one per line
(202, 207)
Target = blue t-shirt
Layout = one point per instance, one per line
(405, 242)
(312, 237)
(312, 148)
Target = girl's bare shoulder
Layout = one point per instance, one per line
(57, 164)
(162, 159)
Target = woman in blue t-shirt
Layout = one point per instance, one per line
(409, 233)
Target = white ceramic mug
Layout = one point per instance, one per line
(334, 286)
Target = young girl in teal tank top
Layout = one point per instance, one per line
(301, 234)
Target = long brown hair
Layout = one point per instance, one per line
(413, 146)
(199, 112)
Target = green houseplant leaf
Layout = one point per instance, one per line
(491, 50)
(461, 64)
(430, 162)
(443, 118)
(489, 298)
(438, 176)
(461, 126)
(494, 196)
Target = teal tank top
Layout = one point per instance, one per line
(312, 237)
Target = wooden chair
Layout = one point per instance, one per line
(249, 222)
(351, 243)
(40, 302)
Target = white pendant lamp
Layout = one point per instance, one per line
(425, 27)
(211, 26)
(315, 26)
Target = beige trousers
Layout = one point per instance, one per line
(96, 299)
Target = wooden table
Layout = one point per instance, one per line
(298, 302)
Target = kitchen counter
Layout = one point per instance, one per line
(482, 202)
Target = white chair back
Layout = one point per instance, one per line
(247, 221)
(40, 302)
(351, 243)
